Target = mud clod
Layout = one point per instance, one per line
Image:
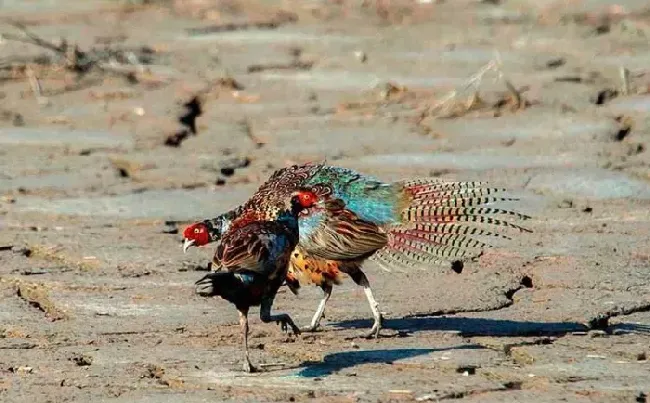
(37, 297)
(82, 360)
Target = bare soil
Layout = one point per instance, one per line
(152, 114)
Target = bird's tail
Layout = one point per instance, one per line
(444, 222)
(221, 282)
(208, 285)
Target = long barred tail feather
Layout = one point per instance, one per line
(450, 228)
(486, 220)
(463, 201)
(457, 241)
(390, 261)
(426, 213)
(440, 223)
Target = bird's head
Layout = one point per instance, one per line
(196, 234)
(303, 199)
(207, 231)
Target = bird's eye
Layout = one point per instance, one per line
(196, 230)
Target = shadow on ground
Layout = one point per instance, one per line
(337, 361)
(486, 327)
(333, 363)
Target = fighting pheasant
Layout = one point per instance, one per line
(402, 224)
(255, 257)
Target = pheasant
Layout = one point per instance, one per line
(255, 256)
(401, 224)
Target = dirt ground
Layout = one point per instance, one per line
(168, 112)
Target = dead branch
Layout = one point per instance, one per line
(451, 106)
(120, 62)
(281, 18)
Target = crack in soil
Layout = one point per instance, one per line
(442, 312)
(601, 321)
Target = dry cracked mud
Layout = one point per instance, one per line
(172, 111)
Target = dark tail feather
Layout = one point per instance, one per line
(211, 284)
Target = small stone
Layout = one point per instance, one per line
(22, 251)
(597, 333)
(228, 166)
(24, 370)
(82, 360)
(170, 228)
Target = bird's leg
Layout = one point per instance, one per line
(243, 323)
(315, 320)
(360, 278)
(283, 319)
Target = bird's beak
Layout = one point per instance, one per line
(187, 244)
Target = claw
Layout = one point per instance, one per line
(284, 326)
(296, 330)
(373, 333)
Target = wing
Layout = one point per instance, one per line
(255, 247)
(369, 198)
(335, 233)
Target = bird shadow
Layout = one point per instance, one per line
(335, 362)
(469, 327)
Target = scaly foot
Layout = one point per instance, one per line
(374, 331)
(248, 367)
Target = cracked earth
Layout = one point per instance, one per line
(100, 170)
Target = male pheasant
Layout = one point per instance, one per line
(255, 256)
(402, 224)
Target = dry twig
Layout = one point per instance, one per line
(106, 60)
(451, 106)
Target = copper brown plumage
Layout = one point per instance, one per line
(254, 257)
(401, 224)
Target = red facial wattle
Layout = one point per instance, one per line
(187, 233)
(198, 233)
(202, 237)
